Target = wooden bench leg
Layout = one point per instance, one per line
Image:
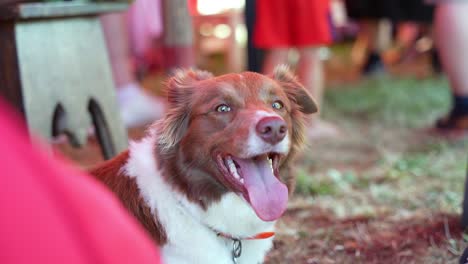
(61, 125)
(102, 131)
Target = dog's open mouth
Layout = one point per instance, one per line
(257, 179)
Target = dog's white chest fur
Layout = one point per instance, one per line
(189, 228)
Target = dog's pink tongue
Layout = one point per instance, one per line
(266, 194)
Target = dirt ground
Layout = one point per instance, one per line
(360, 210)
(387, 190)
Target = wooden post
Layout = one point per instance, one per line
(464, 218)
(255, 56)
(178, 35)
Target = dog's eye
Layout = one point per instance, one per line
(277, 105)
(223, 108)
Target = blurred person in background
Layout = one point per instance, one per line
(129, 36)
(451, 35)
(409, 18)
(305, 25)
(367, 48)
(413, 21)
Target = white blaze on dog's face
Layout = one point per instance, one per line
(232, 133)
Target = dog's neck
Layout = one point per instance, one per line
(230, 217)
(236, 230)
(235, 239)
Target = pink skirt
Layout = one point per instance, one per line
(144, 19)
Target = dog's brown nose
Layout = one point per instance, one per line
(272, 129)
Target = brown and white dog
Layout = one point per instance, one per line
(206, 180)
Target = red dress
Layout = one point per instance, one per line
(292, 23)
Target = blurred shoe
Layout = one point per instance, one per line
(458, 116)
(453, 122)
(373, 65)
(137, 107)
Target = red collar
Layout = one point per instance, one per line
(237, 242)
(263, 235)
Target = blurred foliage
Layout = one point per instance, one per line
(398, 102)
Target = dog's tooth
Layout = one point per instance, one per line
(232, 168)
(235, 173)
(231, 165)
(237, 176)
(271, 164)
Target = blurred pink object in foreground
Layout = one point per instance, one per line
(52, 213)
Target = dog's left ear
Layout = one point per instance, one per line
(294, 89)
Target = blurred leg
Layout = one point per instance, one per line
(311, 74)
(406, 36)
(136, 107)
(407, 33)
(116, 35)
(366, 51)
(273, 58)
(451, 39)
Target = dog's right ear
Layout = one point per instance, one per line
(181, 85)
(180, 89)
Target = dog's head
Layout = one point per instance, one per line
(232, 133)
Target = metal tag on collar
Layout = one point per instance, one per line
(236, 249)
